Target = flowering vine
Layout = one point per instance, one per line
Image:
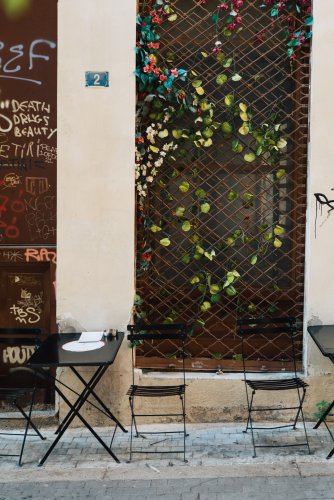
(166, 95)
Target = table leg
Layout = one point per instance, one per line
(75, 412)
(329, 409)
(78, 399)
(107, 411)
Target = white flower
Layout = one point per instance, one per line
(149, 179)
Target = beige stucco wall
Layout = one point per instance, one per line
(95, 282)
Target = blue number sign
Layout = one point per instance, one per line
(97, 78)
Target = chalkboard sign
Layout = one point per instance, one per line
(28, 127)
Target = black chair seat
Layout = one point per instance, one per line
(13, 393)
(276, 385)
(154, 392)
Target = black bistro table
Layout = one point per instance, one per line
(323, 336)
(52, 354)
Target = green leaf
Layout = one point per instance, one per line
(281, 143)
(214, 289)
(200, 322)
(205, 207)
(165, 242)
(253, 260)
(278, 230)
(231, 291)
(309, 20)
(155, 229)
(210, 255)
(229, 100)
(236, 77)
(186, 226)
(195, 280)
(244, 129)
(154, 149)
(204, 54)
(227, 128)
(277, 243)
(177, 133)
(228, 62)
(247, 196)
(163, 133)
(205, 306)
(196, 83)
(207, 143)
(221, 79)
(243, 107)
(179, 212)
(172, 18)
(215, 298)
(280, 174)
(184, 187)
(200, 193)
(215, 18)
(200, 90)
(186, 258)
(249, 157)
(232, 195)
(207, 132)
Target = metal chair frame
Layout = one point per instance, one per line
(12, 395)
(259, 326)
(143, 333)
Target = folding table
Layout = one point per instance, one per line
(323, 336)
(53, 353)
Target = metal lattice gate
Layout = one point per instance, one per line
(220, 232)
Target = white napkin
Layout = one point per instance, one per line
(90, 337)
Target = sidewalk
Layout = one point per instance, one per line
(220, 466)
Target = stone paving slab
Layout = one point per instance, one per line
(220, 467)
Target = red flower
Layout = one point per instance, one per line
(153, 45)
(146, 256)
(156, 19)
(162, 78)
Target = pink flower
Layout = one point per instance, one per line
(174, 72)
(223, 6)
(162, 78)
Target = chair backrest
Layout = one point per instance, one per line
(175, 332)
(268, 340)
(18, 336)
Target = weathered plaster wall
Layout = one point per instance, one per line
(95, 277)
(96, 200)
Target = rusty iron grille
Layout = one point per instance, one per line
(274, 284)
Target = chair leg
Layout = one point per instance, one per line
(31, 423)
(28, 421)
(112, 439)
(184, 428)
(250, 422)
(131, 432)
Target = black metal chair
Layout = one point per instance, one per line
(255, 334)
(18, 386)
(155, 334)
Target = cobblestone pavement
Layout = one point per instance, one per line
(220, 466)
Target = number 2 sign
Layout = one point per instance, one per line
(97, 78)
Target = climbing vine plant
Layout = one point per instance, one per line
(178, 120)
